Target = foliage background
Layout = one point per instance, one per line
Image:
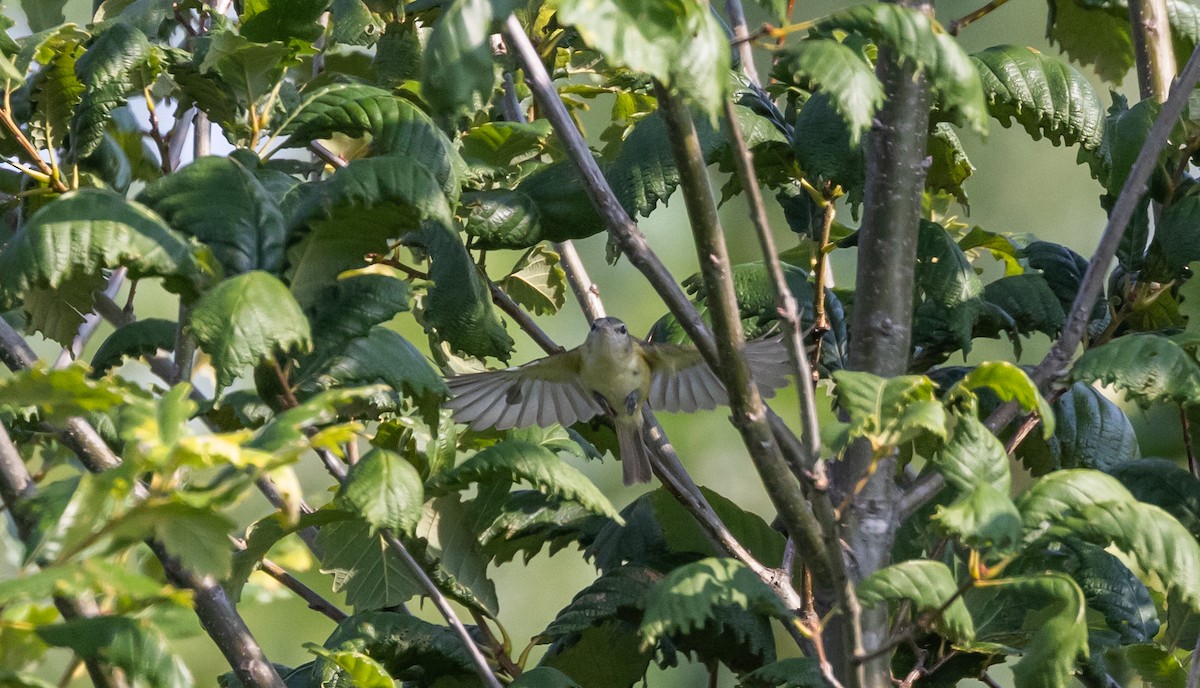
(1019, 185)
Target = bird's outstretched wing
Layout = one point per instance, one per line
(682, 382)
(542, 393)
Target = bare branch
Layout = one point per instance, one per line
(1154, 53)
(741, 39)
(1193, 678)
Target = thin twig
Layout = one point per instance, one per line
(1054, 366)
(523, 319)
(312, 597)
(1193, 678)
(962, 22)
(737, 21)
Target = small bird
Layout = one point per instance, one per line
(611, 373)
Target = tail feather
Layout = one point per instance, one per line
(635, 455)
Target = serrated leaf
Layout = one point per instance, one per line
(56, 90)
(1175, 238)
(245, 321)
(385, 489)
(1047, 97)
(1149, 368)
(43, 14)
(1060, 493)
(352, 306)
(86, 231)
(840, 72)
(1090, 431)
(680, 44)
(493, 147)
(197, 536)
(136, 339)
(1028, 303)
(624, 588)
(537, 282)
(889, 411)
(458, 70)
(983, 519)
(352, 668)
(949, 165)
(608, 655)
(794, 672)
(383, 356)
(355, 212)
(264, 21)
(451, 527)
(247, 70)
(407, 647)
(948, 281)
(394, 126)
(263, 534)
(1061, 636)
(57, 313)
(536, 465)
(61, 393)
(913, 36)
(110, 69)
(529, 520)
(138, 649)
(1164, 484)
(928, 585)
(245, 230)
(1156, 666)
(972, 455)
(686, 599)
(370, 574)
(1009, 383)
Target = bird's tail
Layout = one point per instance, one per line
(635, 455)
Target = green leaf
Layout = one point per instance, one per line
(1164, 484)
(84, 232)
(912, 35)
(355, 212)
(451, 527)
(245, 230)
(114, 65)
(1047, 97)
(43, 14)
(1060, 493)
(677, 42)
(1009, 383)
(352, 669)
(197, 536)
(1108, 585)
(949, 166)
(60, 393)
(458, 307)
(536, 465)
(948, 280)
(688, 597)
(1092, 37)
(1090, 431)
(1061, 636)
(544, 677)
(371, 575)
(407, 647)
(889, 411)
(1028, 304)
(138, 649)
(288, 428)
(393, 125)
(136, 339)
(972, 456)
(495, 147)
(929, 585)
(56, 90)
(822, 145)
(1149, 368)
(983, 519)
(383, 356)
(352, 306)
(57, 313)
(1175, 237)
(264, 21)
(530, 520)
(794, 672)
(245, 321)
(385, 489)
(247, 70)
(1156, 666)
(264, 534)
(458, 71)
(838, 71)
(607, 656)
(623, 589)
(658, 530)
(537, 282)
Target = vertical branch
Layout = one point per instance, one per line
(749, 412)
(1153, 51)
(741, 39)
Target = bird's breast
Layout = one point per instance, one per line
(616, 377)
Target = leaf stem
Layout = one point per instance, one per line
(971, 17)
(23, 141)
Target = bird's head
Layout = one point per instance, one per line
(611, 331)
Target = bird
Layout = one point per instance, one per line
(612, 373)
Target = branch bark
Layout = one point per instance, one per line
(1153, 50)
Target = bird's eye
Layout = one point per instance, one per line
(622, 330)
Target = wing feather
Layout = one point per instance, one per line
(542, 393)
(683, 382)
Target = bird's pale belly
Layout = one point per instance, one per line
(616, 380)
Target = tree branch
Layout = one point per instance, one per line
(1154, 53)
(1054, 366)
(741, 39)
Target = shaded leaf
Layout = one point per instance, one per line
(136, 339)
(840, 72)
(929, 585)
(385, 489)
(1149, 368)
(537, 282)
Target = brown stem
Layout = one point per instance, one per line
(23, 141)
(506, 662)
(966, 20)
(737, 21)
(1154, 53)
(523, 319)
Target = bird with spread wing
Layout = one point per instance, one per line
(611, 373)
